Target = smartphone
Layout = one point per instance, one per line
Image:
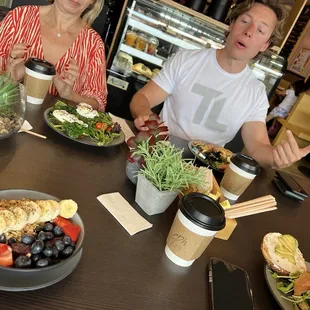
(229, 287)
(291, 184)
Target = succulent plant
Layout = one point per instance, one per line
(156, 131)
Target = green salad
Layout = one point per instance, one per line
(296, 288)
(83, 121)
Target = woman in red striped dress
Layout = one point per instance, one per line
(61, 34)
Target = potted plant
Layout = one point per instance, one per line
(163, 175)
(12, 108)
(155, 131)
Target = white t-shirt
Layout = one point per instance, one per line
(206, 102)
(289, 100)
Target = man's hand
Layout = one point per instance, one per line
(140, 121)
(288, 152)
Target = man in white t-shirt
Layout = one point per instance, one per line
(210, 94)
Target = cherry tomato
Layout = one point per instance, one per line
(99, 125)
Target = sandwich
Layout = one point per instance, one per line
(282, 254)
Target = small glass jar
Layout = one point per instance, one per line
(152, 45)
(130, 38)
(141, 42)
(12, 106)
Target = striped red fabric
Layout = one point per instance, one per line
(22, 25)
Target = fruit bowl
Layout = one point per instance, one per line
(23, 279)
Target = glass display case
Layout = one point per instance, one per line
(269, 68)
(151, 31)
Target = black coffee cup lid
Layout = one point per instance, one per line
(203, 211)
(246, 163)
(40, 66)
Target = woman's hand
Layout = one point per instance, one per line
(15, 66)
(64, 82)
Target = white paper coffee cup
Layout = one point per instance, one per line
(197, 221)
(38, 79)
(238, 176)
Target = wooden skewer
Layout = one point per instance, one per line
(250, 209)
(34, 134)
(252, 206)
(252, 213)
(267, 198)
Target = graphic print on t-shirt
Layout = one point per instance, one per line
(211, 99)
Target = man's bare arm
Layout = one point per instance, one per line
(144, 100)
(257, 143)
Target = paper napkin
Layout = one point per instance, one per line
(26, 126)
(124, 213)
(125, 128)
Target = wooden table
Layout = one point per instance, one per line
(119, 272)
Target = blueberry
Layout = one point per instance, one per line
(44, 262)
(48, 251)
(49, 235)
(60, 245)
(23, 262)
(12, 240)
(41, 236)
(3, 238)
(55, 252)
(58, 231)
(36, 257)
(48, 227)
(39, 229)
(67, 240)
(37, 247)
(27, 239)
(72, 244)
(67, 251)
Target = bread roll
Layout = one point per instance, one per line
(281, 265)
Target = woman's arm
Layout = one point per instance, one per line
(95, 88)
(7, 30)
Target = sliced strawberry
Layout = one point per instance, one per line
(62, 222)
(73, 231)
(4, 248)
(6, 256)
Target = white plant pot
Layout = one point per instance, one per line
(150, 199)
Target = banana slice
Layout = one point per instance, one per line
(56, 206)
(20, 216)
(2, 225)
(9, 218)
(47, 210)
(32, 209)
(68, 208)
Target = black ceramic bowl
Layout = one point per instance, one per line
(17, 279)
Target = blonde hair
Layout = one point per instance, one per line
(91, 13)
(274, 5)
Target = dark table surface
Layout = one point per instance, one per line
(117, 271)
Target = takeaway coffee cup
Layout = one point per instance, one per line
(197, 221)
(239, 175)
(38, 78)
